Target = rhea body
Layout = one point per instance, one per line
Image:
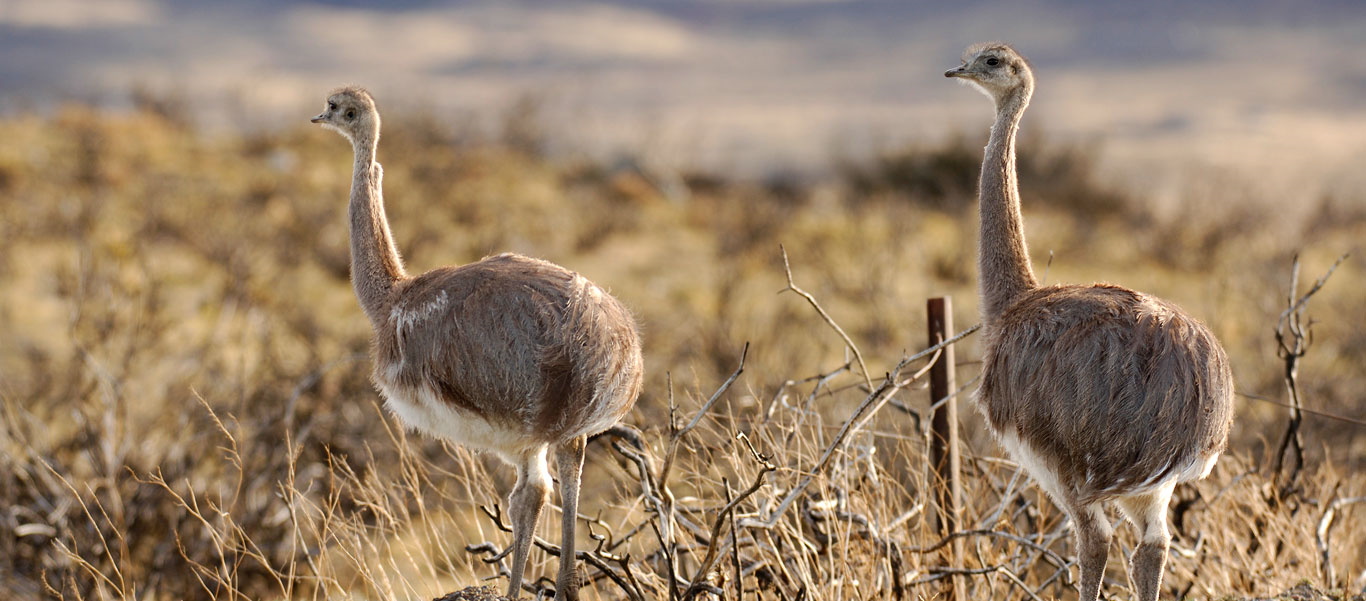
(1101, 393)
(508, 354)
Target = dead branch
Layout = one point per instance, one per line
(848, 342)
(1053, 557)
(1293, 338)
(869, 407)
(780, 397)
(765, 467)
(1065, 572)
(735, 549)
(939, 573)
(627, 582)
(934, 350)
(894, 568)
(677, 435)
(1324, 530)
(663, 502)
(877, 397)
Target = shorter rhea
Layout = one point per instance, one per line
(1100, 392)
(509, 354)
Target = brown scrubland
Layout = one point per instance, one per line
(185, 410)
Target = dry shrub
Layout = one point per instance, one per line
(830, 502)
(185, 410)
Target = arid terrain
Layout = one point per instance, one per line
(185, 410)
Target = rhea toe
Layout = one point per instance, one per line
(1101, 393)
(508, 354)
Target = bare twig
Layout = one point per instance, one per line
(848, 342)
(1053, 557)
(822, 381)
(875, 400)
(735, 549)
(1324, 530)
(624, 582)
(939, 573)
(765, 467)
(663, 502)
(1293, 338)
(869, 407)
(678, 435)
(1014, 579)
(933, 350)
(894, 568)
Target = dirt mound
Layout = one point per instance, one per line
(1307, 592)
(474, 593)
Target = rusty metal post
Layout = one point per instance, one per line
(944, 440)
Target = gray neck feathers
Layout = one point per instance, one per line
(1003, 257)
(375, 263)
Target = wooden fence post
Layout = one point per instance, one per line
(944, 440)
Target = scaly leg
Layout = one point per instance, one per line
(569, 459)
(525, 502)
(1149, 513)
(1093, 544)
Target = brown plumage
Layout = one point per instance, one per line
(1100, 392)
(509, 354)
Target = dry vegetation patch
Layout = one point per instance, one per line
(185, 410)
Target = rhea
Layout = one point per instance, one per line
(509, 354)
(1101, 393)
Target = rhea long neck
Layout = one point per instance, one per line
(1003, 257)
(376, 266)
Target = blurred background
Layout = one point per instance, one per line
(1263, 87)
(174, 260)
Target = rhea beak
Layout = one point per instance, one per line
(958, 72)
(319, 119)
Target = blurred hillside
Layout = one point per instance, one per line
(1181, 90)
(151, 273)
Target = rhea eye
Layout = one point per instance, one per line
(351, 114)
(993, 61)
(331, 106)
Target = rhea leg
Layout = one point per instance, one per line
(525, 502)
(1093, 544)
(569, 459)
(1149, 513)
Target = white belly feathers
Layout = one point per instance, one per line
(423, 410)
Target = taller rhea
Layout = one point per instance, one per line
(1100, 392)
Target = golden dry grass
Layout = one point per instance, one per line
(186, 410)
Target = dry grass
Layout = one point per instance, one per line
(186, 414)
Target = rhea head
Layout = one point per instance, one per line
(995, 69)
(351, 112)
